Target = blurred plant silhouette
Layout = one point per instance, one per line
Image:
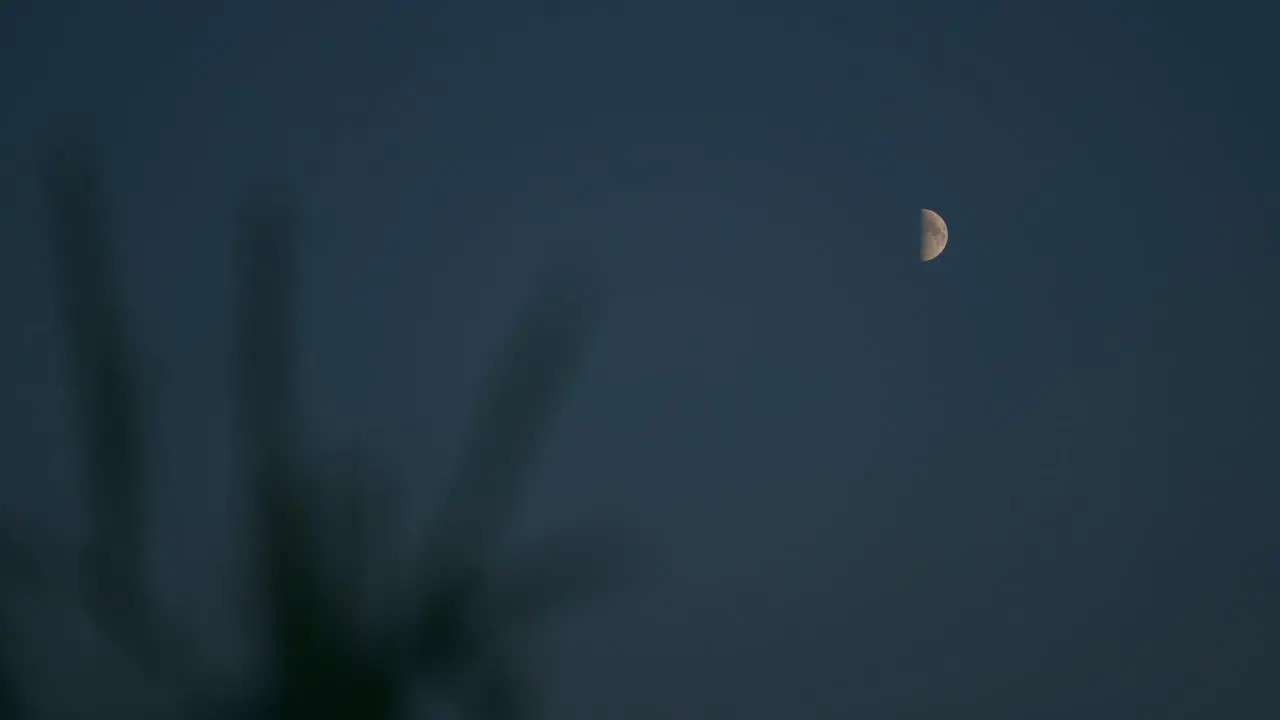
(325, 661)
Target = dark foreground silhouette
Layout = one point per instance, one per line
(324, 662)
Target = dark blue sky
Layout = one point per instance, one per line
(1033, 478)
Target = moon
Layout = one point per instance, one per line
(933, 235)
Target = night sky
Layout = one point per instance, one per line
(1033, 478)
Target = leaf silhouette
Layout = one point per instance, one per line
(323, 661)
(528, 387)
(543, 354)
(110, 415)
(320, 654)
(318, 665)
(109, 412)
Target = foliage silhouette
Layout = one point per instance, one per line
(324, 662)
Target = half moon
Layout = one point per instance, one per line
(933, 235)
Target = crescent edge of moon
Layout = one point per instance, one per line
(933, 235)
